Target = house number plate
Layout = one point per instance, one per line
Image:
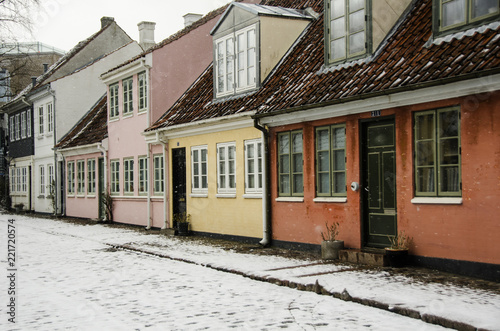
(375, 113)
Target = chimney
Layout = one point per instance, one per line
(190, 18)
(146, 34)
(105, 21)
(45, 67)
(33, 81)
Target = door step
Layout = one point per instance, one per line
(362, 257)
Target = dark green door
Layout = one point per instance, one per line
(100, 185)
(379, 183)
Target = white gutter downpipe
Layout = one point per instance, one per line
(149, 181)
(105, 154)
(165, 186)
(266, 224)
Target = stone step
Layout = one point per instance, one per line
(362, 257)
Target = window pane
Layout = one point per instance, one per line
(195, 156)
(323, 140)
(338, 8)
(324, 183)
(297, 142)
(448, 124)
(285, 164)
(425, 153)
(356, 5)
(298, 186)
(323, 161)
(338, 49)
(284, 144)
(339, 182)
(338, 138)
(453, 12)
(339, 159)
(449, 151)
(338, 28)
(297, 163)
(449, 179)
(425, 180)
(357, 21)
(285, 184)
(357, 43)
(425, 127)
(251, 166)
(204, 155)
(483, 7)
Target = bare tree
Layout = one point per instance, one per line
(15, 15)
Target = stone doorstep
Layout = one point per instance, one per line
(358, 256)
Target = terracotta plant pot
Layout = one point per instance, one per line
(396, 258)
(330, 249)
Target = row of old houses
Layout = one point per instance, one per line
(264, 119)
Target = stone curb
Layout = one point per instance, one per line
(318, 289)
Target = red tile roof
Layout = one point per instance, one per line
(405, 60)
(91, 129)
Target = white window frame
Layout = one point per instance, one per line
(18, 180)
(23, 125)
(128, 176)
(254, 166)
(226, 168)
(225, 58)
(41, 117)
(80, 176)
(12, 180)
(71, 177)
(199, 170)
(42, 179)
(468, 18)
(24, 179)
(115, 176)
(50, 118)
(18, 126)
(143, 174)
(50, 170)
(114, 108)
(91, 176)
(12, 128)
(159, 177)
(142, 82)
(128, 96)
(28, 123)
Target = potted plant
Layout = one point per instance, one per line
(330, 246)
(396, 255)
(182, 221)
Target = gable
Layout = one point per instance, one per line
(235, 18)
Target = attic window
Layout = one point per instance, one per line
(459, 14)
(346, 29)
(235, 62)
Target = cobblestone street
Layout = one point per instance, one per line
(68, 281)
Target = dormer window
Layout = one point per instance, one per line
(346, 29)
(453, 15)
(235, 62)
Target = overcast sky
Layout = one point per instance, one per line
(63, 23)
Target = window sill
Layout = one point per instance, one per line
(142, 111)
(127, 115)
(252, 196)
(330, 199)
(91, 196)
(290, 199)
(199, 195)
(114, 119)
(226, 195)
(437, 201)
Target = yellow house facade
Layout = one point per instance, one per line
(215, 175)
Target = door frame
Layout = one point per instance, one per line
(178, 206)
(363, 124)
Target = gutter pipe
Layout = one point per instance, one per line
(105, 154)
(266, 224)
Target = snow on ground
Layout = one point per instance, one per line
(71, 278)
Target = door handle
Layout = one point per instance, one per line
(367, 189)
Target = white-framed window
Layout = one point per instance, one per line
(91, 176)
(42, 180)
(18, 180)
(41, 126)
(199, 169)
(28, 123)
(80, 174)
(461, 13)
(143, 91)
(128, 98)
(253, 166)
(143, 175)
(12, 180)
(51, 183)
(158, 174)
(113, 101)
(226, 168)
(115, 176)
(23, 125)
(18, 126)
(236, 62)
(12, 128)
(71, 177)
(50, 118)
(24, 179)
(128, 176)
(346, 29)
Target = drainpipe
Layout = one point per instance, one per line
(149, 181)
(266, 224)
(105, 154)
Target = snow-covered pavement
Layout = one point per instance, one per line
(70, 276)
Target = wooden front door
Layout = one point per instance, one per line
(179, 180)
(378, 183)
